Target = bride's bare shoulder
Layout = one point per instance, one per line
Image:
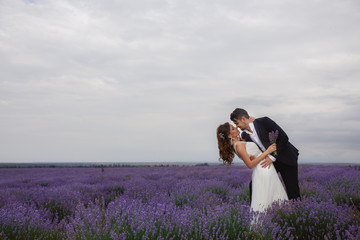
(240, 146)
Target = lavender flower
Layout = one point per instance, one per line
(272, 137)
(172, 203)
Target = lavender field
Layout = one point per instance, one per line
(187, 202)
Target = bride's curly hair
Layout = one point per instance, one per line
(226, 150)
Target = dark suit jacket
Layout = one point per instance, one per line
(286, 152)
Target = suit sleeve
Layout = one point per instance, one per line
(282, 139)
(246, 136)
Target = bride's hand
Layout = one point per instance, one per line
(271, 148)
(266, 163)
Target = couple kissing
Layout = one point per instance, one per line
(261, 144)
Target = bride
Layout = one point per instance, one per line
(266, 184)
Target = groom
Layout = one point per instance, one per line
(285, 161)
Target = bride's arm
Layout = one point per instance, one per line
(240, 148)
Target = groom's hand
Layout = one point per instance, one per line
(266, 163)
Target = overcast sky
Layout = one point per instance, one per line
(150, 80)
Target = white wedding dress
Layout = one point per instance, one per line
(266, 185)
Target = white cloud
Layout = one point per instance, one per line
(151, 80)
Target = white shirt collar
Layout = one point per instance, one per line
(252, 127)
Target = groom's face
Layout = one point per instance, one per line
(240, 124)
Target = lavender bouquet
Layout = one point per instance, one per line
(272, 137)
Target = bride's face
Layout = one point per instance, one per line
(234, 132)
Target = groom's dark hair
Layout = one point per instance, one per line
(238, 113)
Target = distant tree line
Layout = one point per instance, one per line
(92, 165)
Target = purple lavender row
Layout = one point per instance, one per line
(172, 203)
